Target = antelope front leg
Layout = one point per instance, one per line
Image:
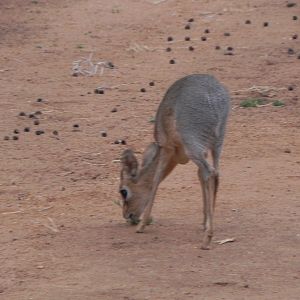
(145, 219)
(165, 165)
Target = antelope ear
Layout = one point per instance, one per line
(150, 154)
(129, 163)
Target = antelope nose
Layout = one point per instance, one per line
(129, 216)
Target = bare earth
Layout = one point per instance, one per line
(62, 235)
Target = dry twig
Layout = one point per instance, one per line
(52, 226)
(85, 66)
(12, 212)
(266, 91)
(221, 242)
(157, 1)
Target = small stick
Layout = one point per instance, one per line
(52, 225)
(45, 208)
(94, 164)
(158, 1)
(221, 242)
(12, 212)
(263, 105)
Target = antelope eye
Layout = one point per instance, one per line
(124, 193)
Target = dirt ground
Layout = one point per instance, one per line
(62, 235)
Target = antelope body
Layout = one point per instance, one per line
(190, 122)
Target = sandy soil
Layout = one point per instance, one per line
(62, 235)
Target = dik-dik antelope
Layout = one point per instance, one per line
(190, 122)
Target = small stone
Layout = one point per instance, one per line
(266, 24)
(38, 112)
(227, 34)
(291, 51)
(290, 88)
(295, 18)
(151, 83)
(168, 49)
(246, 286)
(169, 39)
(187, 38)
(22, 114)
(203, 38)
(120, 141)
(31, 116)
(206, 31)
(298, 56)
(39, 100)
(221, 283)
(26, 129)
(16, 131)
(55, 132)
(295, 36)
(217, 47)
(39, 132)
(172, 61)
(191, 48)
(40, 267)
(247, 22)
(99, 91)
(230, 48)
(291, 4)
(228, 53)
(110, 65)
(187, 27)
(15, 137)
(103, 134)
(76, 126)
(114, 110)
(191, 20)
(287, 151)
(36, 122)
(6, 138)
(143, 90)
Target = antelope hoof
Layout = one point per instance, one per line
(140, 228)
(205, 247)
(206, 241)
